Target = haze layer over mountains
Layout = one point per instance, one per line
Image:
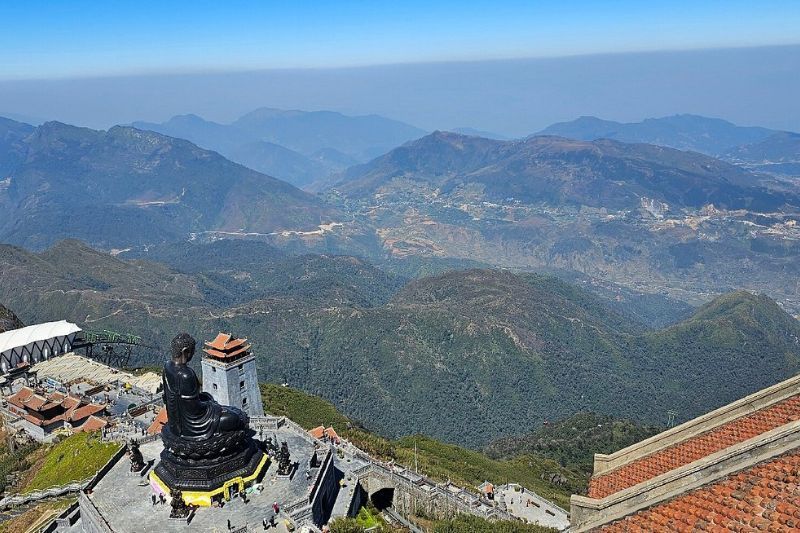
(392, 262)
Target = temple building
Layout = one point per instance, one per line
(209, 466)
(733, 469)
(324, 434)
(42, 415)
(229, 374)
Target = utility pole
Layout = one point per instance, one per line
(416, 466)
(671, 414)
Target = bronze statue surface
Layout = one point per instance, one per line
(205, 443)
(192, 414)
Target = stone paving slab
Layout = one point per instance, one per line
(123, 498)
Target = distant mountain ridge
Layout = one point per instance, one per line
(297, 146)
(781, 147)
(712, 136)
(558, 171)
(125, 186)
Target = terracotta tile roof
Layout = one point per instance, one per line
(224, 346)
(158, 423)
(86, 410)
(23, 394)
(764, 497)
(688, 451)
(71, 402)
(220, 341)
(43, 421)
(69, 408)
(225, 355)
(93, 423)
(35, 402)
(321, 431)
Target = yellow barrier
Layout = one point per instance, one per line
(203, 499)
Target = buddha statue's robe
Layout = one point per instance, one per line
(191, 413)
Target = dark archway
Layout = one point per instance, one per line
(383, 498)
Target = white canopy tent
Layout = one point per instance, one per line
(35, 343)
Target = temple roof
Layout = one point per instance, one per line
(690, 450)
(71, 408)
(321, 431)
(92, 423)
(224, 346)
(736, 468)
(158, 423)
(762, 497)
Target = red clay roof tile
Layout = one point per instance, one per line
(691, 450)
(158, 422)
(763, 504)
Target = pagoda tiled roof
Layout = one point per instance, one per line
(71, 408)
(761, 498)
(224, 346)
(84, 411)
(159, 422)
(688, 451)
(736, 468)
(321, 431)
(93, 423)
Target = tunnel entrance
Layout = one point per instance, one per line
(383, 498)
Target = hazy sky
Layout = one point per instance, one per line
(46, 39)
(511, 67)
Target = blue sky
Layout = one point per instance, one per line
(52, 39)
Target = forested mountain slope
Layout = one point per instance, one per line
(466, 357)
(126, 187)
(559, 172)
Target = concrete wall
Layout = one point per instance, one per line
(91, 520)
(234, 384)
(325, 490)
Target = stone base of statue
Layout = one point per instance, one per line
(209, 469)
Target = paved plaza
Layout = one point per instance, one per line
(531, 507)
(124, 498)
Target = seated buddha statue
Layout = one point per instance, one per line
(194, 415)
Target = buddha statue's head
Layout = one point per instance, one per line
(183, 346)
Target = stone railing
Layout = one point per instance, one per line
(462, 501)
(16, 500)
(326, 463)
(265, 422)
(91, 515)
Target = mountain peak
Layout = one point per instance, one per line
(712, 136)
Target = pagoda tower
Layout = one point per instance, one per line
(229, 374)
